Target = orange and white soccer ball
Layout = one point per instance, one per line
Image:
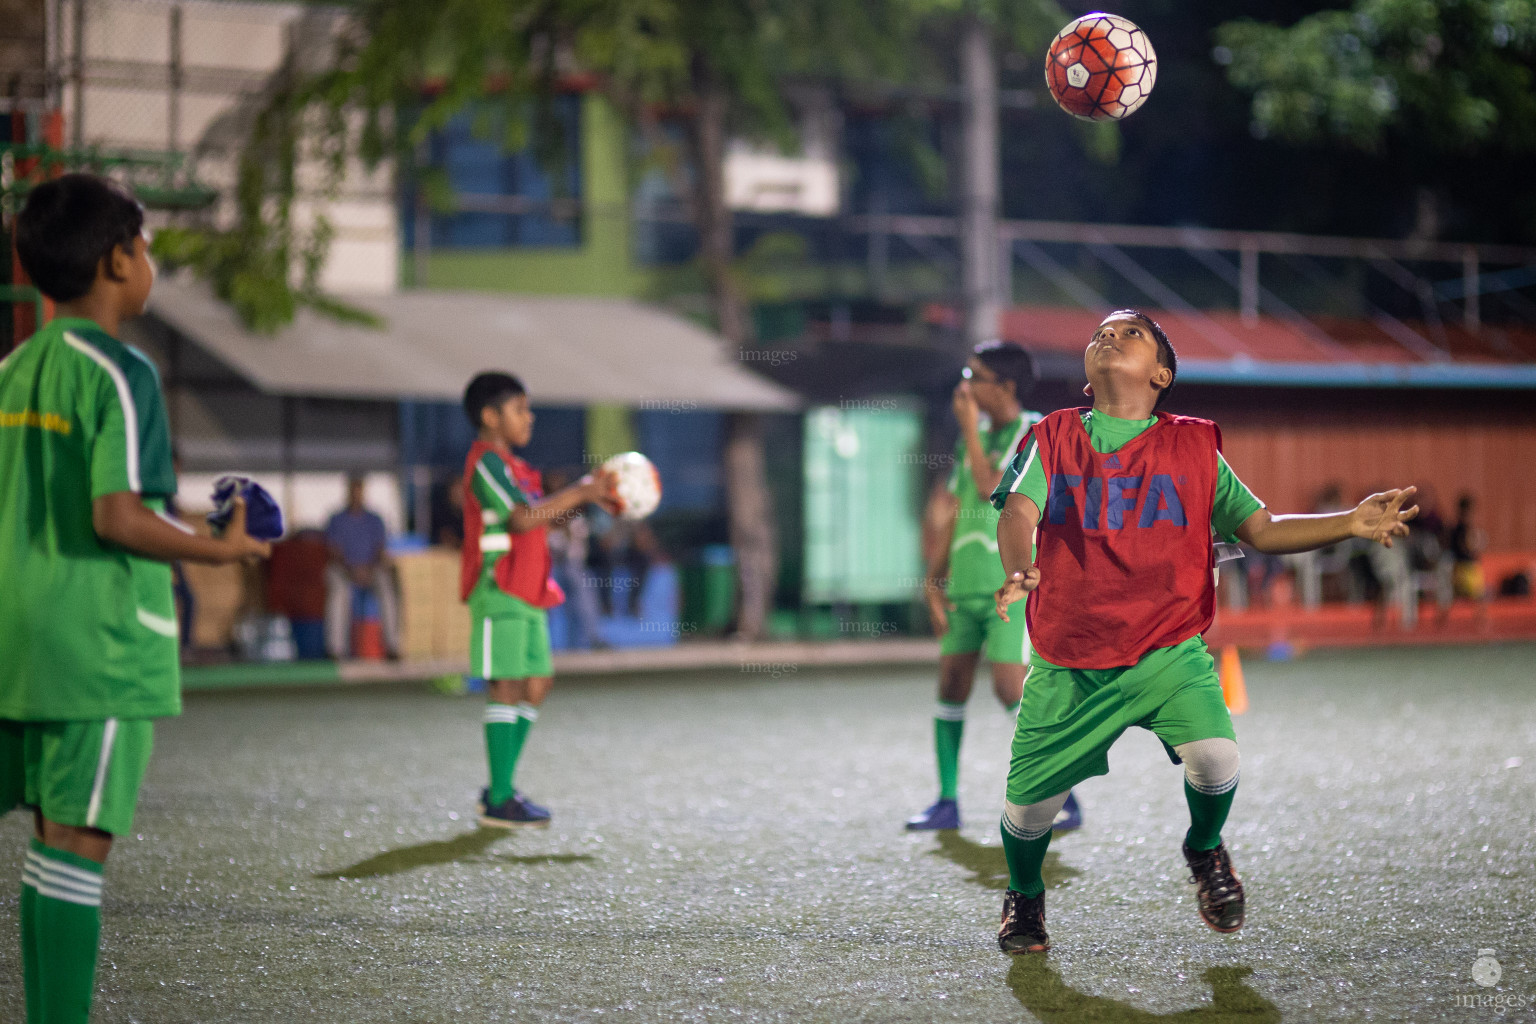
(637, 485)
(1101, 67)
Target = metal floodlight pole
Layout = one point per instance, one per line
(1471, 311)
(980, 272)
(77, 73)
(176, 83)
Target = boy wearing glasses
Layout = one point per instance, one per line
(996, 378)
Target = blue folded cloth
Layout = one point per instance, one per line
(263, 518)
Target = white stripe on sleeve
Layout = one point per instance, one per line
(1024, 470)
(506, 499)
(1013, 445)
(124, 397)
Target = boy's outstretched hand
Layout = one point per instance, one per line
(1017, 588)
(1381, 517)
(598, 488)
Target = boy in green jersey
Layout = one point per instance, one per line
(964, 615)
(1119, 588)
(86, 611)
(506, 580)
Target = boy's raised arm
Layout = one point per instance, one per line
(1378, 518)
(942, 513)
(594, 488)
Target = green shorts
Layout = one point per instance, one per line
(974, 626)
(86, 773)
(509, 640)
(1069, 718)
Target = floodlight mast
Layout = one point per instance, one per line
(980, 254)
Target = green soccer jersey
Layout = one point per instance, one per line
(974, 565)
(89, 629)
(1234, 501)
(497, 493)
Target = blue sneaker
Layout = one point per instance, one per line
(531, 807)
(485, 801)
(1070, 817)
(515, 812)
(943, 815)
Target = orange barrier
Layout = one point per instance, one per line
(1233, 690)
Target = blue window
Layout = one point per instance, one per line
(490, 182)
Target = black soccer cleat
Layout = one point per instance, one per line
(1217, 887)
(1023, 927)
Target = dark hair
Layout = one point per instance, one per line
(1010, 362)
(488, 390)
(68, 226)
(1165, 353)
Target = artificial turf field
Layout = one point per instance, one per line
(727, 846)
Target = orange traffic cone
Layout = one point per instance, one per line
(1232, 689)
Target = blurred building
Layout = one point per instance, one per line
(1325, 359)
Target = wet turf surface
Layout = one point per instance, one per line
(729, 847)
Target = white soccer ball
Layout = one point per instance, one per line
(637, 489)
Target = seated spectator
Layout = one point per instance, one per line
(1466, 543)
(1392, 574)
(296, 588)
(620, 560)
(448, 513)
(1428, 558)
(359, 561)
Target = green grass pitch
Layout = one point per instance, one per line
(727, 846)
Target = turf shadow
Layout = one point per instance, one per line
(1039, 989)
(989, 866)
(468, 846)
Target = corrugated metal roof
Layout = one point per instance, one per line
(567, 350)
(1218, 347)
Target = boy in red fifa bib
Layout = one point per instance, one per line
(1119, 589)
(505, 580)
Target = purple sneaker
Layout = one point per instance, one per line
(943, 815)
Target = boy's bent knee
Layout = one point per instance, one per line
(1034, 820)
(1211, 766)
